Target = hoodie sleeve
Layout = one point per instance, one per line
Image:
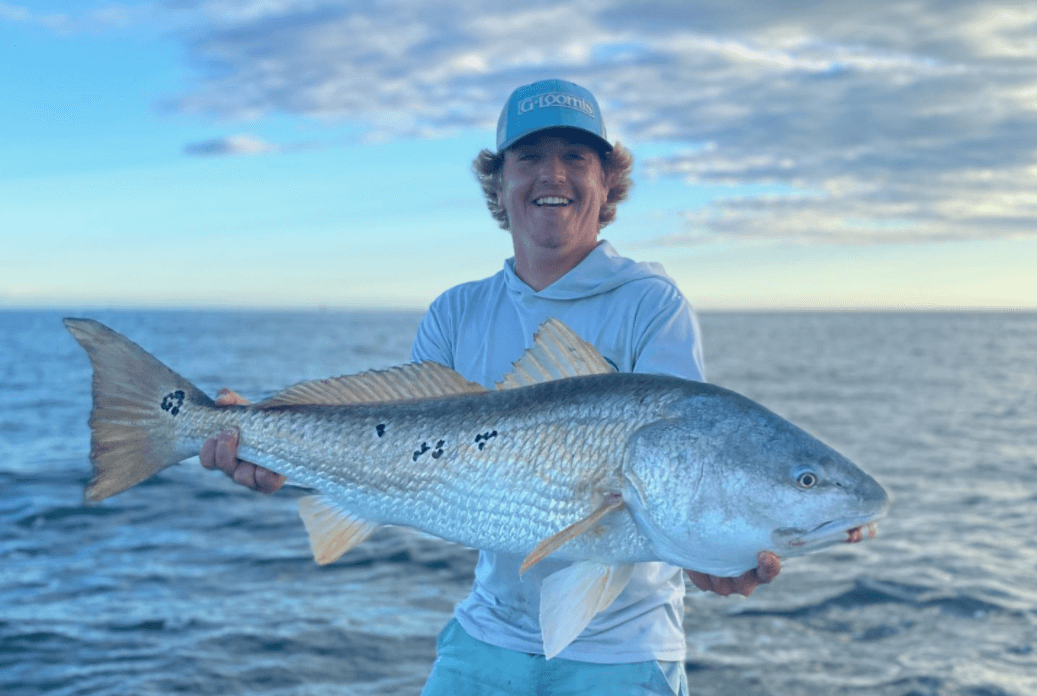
(432, 341)
(668, 340)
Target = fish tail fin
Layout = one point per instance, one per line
(136, 401)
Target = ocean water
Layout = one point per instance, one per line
(190, 584)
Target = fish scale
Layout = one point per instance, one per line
(534, 478)
(588, 465)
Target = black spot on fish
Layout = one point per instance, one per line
(173, 401)
(418, 452)
(380, 429)
(439, 449)
(482, 438)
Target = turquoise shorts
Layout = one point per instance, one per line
(467, 666)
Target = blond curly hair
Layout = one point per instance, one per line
(616, 167)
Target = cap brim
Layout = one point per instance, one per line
(572, 132)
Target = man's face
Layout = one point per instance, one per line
(552, 189)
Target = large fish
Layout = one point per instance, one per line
(565, 458)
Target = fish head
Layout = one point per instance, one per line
(714, 487)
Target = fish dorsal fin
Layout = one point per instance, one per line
(332, 530)
(414, 381)
(557, 352)
(570, 597)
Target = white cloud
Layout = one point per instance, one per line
(12, 13)
(106, 17)
(904, 121)
(231, 145)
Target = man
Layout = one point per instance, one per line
(553, 183)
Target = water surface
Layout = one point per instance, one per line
(191, 584)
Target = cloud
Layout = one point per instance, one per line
(98, 19)
(894, 121)
(231, 145)
(14, 14)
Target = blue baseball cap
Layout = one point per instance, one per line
(550, 104)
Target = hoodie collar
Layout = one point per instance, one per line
(602, 270)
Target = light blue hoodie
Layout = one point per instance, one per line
(639, 321)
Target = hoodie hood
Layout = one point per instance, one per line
(603, 270)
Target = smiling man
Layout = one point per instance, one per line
(552, 187)
(553, 183)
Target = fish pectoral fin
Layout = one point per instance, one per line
(570, 597)
(613, 502)
(557, 352)
(332, 530)
(414, 381)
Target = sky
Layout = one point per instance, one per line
(317, 153)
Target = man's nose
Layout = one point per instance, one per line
(552, 169)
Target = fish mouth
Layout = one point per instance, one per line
(844, 531)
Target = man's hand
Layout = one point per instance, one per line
(768, 567)
(220, 452)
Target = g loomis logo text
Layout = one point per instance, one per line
(555, 99)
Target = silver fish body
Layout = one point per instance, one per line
(636, 467)
(498, 470)
(503, 470)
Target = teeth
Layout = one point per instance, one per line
(552, 200)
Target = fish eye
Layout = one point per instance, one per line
(807, 479)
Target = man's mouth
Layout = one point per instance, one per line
(552, 201)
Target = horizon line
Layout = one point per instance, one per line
(336, 308)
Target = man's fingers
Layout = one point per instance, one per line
(711, 583)
(267, 481)
(699, 580)
(747, 583)
(226, 454)
(725, 586)
(768, 566)
(208, 454)
(245, 474)
(226, 397)
(257, 478)
(221, 452)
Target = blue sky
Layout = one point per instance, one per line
(304, 153)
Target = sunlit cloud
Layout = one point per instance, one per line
(897, 122)
(889, 122)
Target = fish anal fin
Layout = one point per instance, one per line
(613, 502)
(332, 531)
(557, 352)
(572, 596)
(414, 381)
